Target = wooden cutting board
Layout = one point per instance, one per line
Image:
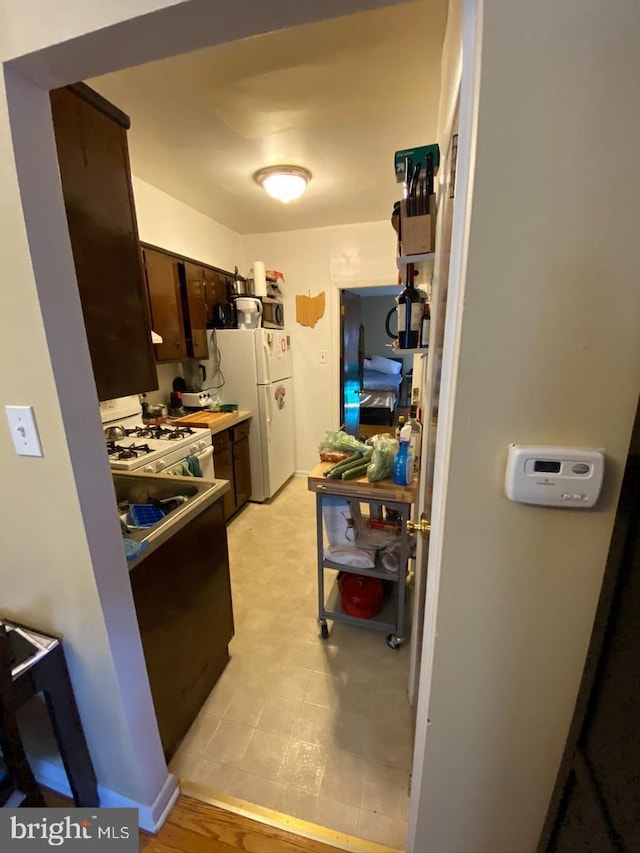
(215, 421)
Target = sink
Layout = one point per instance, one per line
(140, 489)
(148, 488)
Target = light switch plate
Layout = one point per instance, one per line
(24, 431)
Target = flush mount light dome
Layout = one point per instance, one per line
(285, 183)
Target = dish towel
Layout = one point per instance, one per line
(180, 469)
(194, 466)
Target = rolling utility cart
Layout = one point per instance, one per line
(385, 493)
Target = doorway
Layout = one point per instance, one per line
(374, 399)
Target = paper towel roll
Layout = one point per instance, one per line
(259, 279)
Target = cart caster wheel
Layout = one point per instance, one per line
(324, 631)
(393, 641)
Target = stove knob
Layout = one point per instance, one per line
(160, 464)
(149, 469)
(193, 448)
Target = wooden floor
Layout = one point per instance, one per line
(197, 827)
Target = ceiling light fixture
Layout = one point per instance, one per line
(286, 183)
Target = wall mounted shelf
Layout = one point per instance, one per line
(414, 259)
(416, 351)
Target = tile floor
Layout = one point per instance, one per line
(320, 730)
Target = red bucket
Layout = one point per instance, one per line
(361, 596)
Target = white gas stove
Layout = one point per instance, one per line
(133, 445)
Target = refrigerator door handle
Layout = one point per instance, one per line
(266, 361)
(269, 415)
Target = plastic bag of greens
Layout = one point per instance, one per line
(339, 440)
(384, 451)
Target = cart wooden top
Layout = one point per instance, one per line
(361, 488)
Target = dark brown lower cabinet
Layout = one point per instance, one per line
(231, 462)
(242, 470)
(182, 595)
(223, 465)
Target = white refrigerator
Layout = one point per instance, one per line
(256, 366)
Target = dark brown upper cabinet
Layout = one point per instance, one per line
(177, 297)
(91, 141)
(195, 311)
(217, 287)
(163, 282)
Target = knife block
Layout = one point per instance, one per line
(418, 233)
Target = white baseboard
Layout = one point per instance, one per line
(151, 817)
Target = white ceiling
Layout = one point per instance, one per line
(338, 97)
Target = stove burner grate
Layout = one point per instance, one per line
(161, 433)
(132, 451)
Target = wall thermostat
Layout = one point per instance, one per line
(568, 477)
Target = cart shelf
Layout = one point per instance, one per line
(378, 572)
(385, 620)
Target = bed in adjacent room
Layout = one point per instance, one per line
(381, 381)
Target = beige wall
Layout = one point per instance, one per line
(549, 354)
(166, 222)
(450, 69)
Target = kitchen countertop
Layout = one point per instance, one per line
(216, 421)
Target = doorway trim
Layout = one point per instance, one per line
(469, 72)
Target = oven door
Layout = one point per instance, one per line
(272, 313)
(204, 457)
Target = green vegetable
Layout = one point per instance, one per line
(336, 474)
(342, 464)
(339, 440)
(381, 465)
(355, 472)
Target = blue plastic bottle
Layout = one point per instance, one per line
(403, 462)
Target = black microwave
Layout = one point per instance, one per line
(272, 313)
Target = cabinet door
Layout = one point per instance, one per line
(223, 464)
(242, 471)
(163, 283)
(195, 311)
(91, 142)
(217, 286)
(185, 619)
